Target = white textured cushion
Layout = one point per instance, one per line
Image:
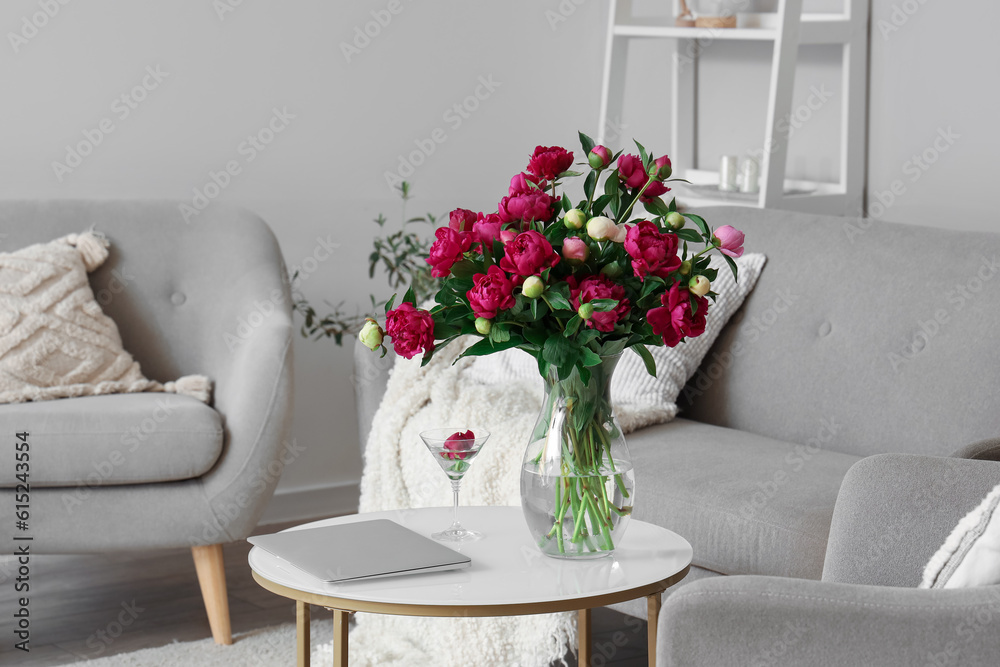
(644, 400)
(971, 554)
(55, 341)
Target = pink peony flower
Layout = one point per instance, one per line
(528, 254)
(548, 162)
(599, 157)
(674, 320)
(631, 171)
(411, 330)
(458, 445)
(534, 205)
(486, 229)
(730, 240)
(523, 184)
(461, 220)
(663, 168)
(575, 249)
(654, 190)
(448, 249)
(507, 235)
(491, 292)
(599, 287)
(652, 251)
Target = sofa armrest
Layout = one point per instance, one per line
(894, 511)
(754, 620)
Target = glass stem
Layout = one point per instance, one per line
(455, 485)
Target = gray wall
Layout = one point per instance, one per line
(323, 175)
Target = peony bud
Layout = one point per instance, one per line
(612, 270)
(575, 250)
(699, 285)
(585, 311)
(371, 334)
(663, 168)
(601, 228)
(574, 218)
(599, 157)
(676, 220)
(686, 267)
(484, 325)
(621, 233)
(532, 287)
(729, 241)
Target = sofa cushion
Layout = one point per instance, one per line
(746, 503)
(111, 440)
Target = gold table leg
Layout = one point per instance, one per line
(302, 642)
(653, 604)
(583, 630)
(340, 619)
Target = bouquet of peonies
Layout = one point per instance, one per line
(573, 286)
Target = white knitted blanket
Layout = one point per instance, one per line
(400, 473)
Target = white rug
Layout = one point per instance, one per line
(267, 647)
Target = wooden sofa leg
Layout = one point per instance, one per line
(212, 578)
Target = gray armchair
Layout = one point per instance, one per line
(156, 470)
(893, 512)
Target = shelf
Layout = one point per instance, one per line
(815, 29)
(822, 195)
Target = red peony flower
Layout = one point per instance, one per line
(534, 205)
(491, 292)
(548, 162)
(528, 254)
(487, 229)
(523, 184)
(599, 287)
(458, 445)
(653, 252)
(448, 249)
(631, 171)
(654, 190)
(461, 220)
(674, 320)
(411, 330)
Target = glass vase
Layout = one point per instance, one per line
(577, 483)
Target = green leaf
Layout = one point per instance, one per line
(587, 143)
(657, 207)
(732, 266)
(613, 347)
(559, 352)
(590, 184)
(589, 357)
(689, 235)
(647, 358)
(700, 221)
(486, 346)
(566, 203)
(604, 305)
(536, 336)
(388, 304)
(673, 205)
(498, 334)
(642, 154)
(410, 297)
(464, 269)
(611, 183)
(570, 174)
(572, 326)
(599, 205)
(557, 296)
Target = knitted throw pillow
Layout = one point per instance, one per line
(55, 341)
(646, 400)
(971, 554)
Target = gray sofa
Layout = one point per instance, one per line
(839, 428)
(154, 470)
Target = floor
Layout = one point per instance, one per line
(84, 607)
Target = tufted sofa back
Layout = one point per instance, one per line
(862, 337)
(167, 284)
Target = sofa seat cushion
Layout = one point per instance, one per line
(115, 439)
(746, 503)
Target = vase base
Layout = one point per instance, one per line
(592, 555)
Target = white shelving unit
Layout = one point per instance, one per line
(848, 29)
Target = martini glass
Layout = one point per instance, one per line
(454, 450)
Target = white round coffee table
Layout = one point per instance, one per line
(509, 576)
